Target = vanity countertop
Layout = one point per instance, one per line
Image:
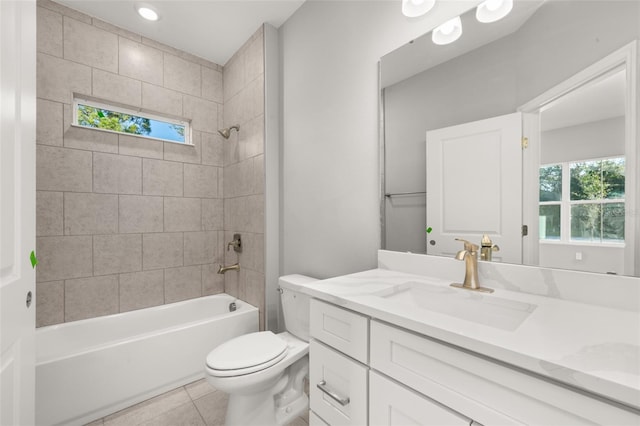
(592, 347)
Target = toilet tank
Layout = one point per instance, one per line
(295, 305)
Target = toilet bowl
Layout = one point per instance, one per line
(263, 372)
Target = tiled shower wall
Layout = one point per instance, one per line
(125, 222)
(244, 170)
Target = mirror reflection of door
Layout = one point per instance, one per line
(474, 176)
(582, 183)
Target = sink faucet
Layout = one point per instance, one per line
(470, 256)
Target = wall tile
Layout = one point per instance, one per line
(49, 32)
(140, 214)
(49, 303)
(53, 82)
(182, 214)
(90, 297)
(212, 149)
(212, 85)
(156, 98)
(48, 213)
(117, 253)
(212, 282)
(140, 147)
(258, 175)
(57, 7)
(252, 256)
(254, 58)
(203, 113)
(181, 75)
(62, 169)
(181, 54)
(184, 153)
(63, 257)
(252, 290)
(251, 139)
(115, 88)
(117, 174)
(163, 250)
(255, 205)
(116, 30)
(90, 139)
(212, 214)
(87, 214)
(49, 122)
(235, 214)
(90, 45)
(200, 247)
(182, 283)
(140, 62)
(234, 113)
(141, 290)
(162, 178)
(200, 181)
(254, 99)
(233, 76)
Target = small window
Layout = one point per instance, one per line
(101, 116)
(583, 201)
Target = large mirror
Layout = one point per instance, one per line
(556, 78)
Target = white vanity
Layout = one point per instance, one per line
(397, 345)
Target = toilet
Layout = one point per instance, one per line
(263, 372)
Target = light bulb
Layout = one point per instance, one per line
(493, 10)
(415, 8)
(448, 32)
(148, 13)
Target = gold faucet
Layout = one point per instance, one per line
(470, 257)
(487, 248)
(223, 269)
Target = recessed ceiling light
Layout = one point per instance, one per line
(493, 10)
(415, 8)
(448, 32)
(147, 13)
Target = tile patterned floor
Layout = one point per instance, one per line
(196, 404)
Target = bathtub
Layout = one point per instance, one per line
(88, 369)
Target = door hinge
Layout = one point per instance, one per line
(525, 230)
(525, 143)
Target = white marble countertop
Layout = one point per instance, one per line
(595, 348)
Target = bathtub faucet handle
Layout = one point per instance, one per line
(236, 244)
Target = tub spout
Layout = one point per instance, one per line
(223, 269)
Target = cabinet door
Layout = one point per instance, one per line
(393, 404)
(338, 386)
(314, 420)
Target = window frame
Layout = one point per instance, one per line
(138, 112)
(566, 203)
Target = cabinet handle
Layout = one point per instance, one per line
(337, 398)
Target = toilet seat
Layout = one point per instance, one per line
(246, 354)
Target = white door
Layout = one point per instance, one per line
(474, 181)
(17, 210)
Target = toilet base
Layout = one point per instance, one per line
(276, 406)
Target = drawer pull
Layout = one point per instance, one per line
(337, 398)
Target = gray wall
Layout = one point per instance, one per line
(493, 80)
(330, 164)
(123, 222)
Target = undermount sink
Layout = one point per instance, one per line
(466, 305)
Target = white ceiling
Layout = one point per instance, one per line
(211, 29)
(599, 100)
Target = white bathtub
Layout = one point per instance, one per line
(91, 368)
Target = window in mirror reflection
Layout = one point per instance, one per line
(593, 201)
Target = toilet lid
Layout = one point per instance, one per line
(249, 350)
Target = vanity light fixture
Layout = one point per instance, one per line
(448, 32)
(415, 8)
(493, 10)
(147, 12)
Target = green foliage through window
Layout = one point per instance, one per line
(594, 201)
(100, 117)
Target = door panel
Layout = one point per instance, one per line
(17, 211)
(474, 180)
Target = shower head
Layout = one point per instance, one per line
(227, 132)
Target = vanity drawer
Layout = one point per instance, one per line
(344, 330)
(472, 384)
(331, 373)
(392, 404)
(314, 420)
